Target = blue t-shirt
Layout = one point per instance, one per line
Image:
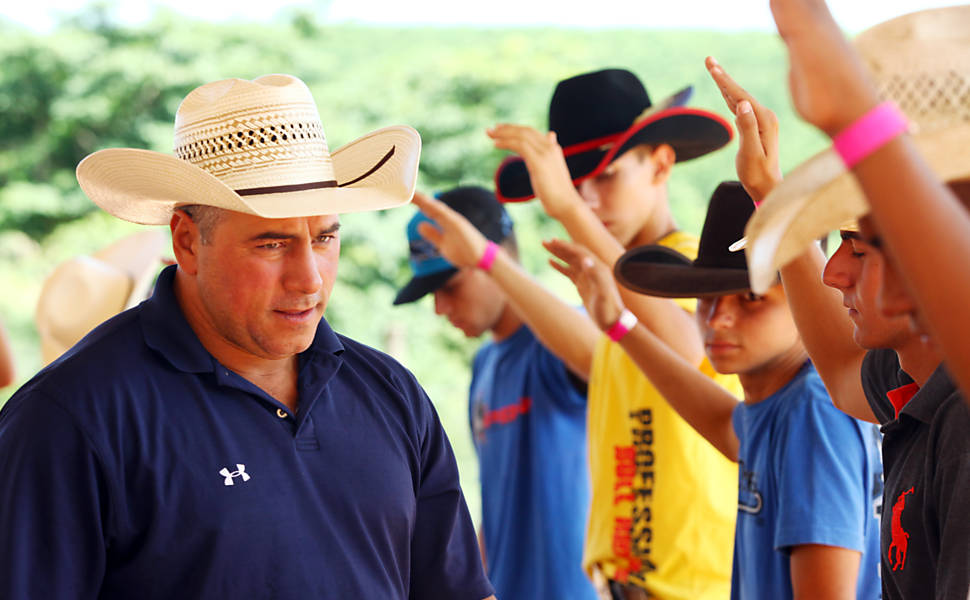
(137, 466)
(529, 428)
(809, 474)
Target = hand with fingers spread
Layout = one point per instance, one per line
(544, 159)
(455, 238)
(757, 159)
(592, 278)
(829, 85)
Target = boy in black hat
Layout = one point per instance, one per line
(527, 410)
(809, 474)
(602, 171)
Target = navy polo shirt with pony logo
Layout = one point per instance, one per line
(925, 534)
(137, 466)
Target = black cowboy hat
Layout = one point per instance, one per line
(660, 271)
(600, 115)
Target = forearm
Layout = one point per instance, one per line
(927, 234)
(562, 329)
(706, 406)
(675, 327)
(827, 332)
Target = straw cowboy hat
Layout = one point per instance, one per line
(920, 61)
(85, 291)
(255, 147)
(600, 115)
(657, 270)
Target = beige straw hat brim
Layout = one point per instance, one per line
(144, 186)
(920, 61)
(84, 291)
(804, 208)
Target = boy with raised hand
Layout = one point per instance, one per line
(527, 408)
(832, 89)
(877, 367)
(662, 515)
(809, 475)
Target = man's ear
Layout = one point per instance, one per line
(664, 158)
(186, 241)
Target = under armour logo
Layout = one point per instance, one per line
(239, 472)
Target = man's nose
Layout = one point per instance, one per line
(303, 270)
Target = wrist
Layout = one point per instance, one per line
(488, 256)
(870, 132)
(626, 321)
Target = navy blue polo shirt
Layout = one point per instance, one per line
(137, 466)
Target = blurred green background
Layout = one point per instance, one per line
(92, 83)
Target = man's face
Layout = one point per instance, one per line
(471, 301)
(857, 269)
(745, 333)
(264, 283)
(625, 194)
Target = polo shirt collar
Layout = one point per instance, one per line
(167, 331)
(928, 400)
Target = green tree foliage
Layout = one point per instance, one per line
(93, 84)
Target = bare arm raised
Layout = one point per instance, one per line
(705, 405)
(559, 327)
(552, 183)
(834, 352)
(831, 89)
(7, 370)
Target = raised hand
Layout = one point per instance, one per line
(455, 238)
(830, 87)
(757, 158)
(592, 278)
(546, 164)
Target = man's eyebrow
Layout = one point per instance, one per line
(874, 241)
(332, 229)
(280, 235)
(850, 235)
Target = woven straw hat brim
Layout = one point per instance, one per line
(84, 291)
(373, 172)
(820, 196)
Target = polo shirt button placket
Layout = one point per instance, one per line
(281, 413)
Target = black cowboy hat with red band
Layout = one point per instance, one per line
(600, 115)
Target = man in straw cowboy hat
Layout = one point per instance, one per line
(875, 365)
(527, 406)
(602, 171)
(220, 439)
(809, 474)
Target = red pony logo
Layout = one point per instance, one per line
(900, 537)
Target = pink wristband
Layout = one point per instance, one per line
(488, 257)
(870, 132)
(623, 325)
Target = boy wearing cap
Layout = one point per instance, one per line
(874, 362)
(661, 520)
(809, 475)
(527, 410)
(220, 440)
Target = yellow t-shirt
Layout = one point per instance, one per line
(664, 499)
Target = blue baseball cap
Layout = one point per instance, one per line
(430, 270)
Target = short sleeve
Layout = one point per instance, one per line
(445, 559)
(822, 468)
(52, 511)
(567, 389)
